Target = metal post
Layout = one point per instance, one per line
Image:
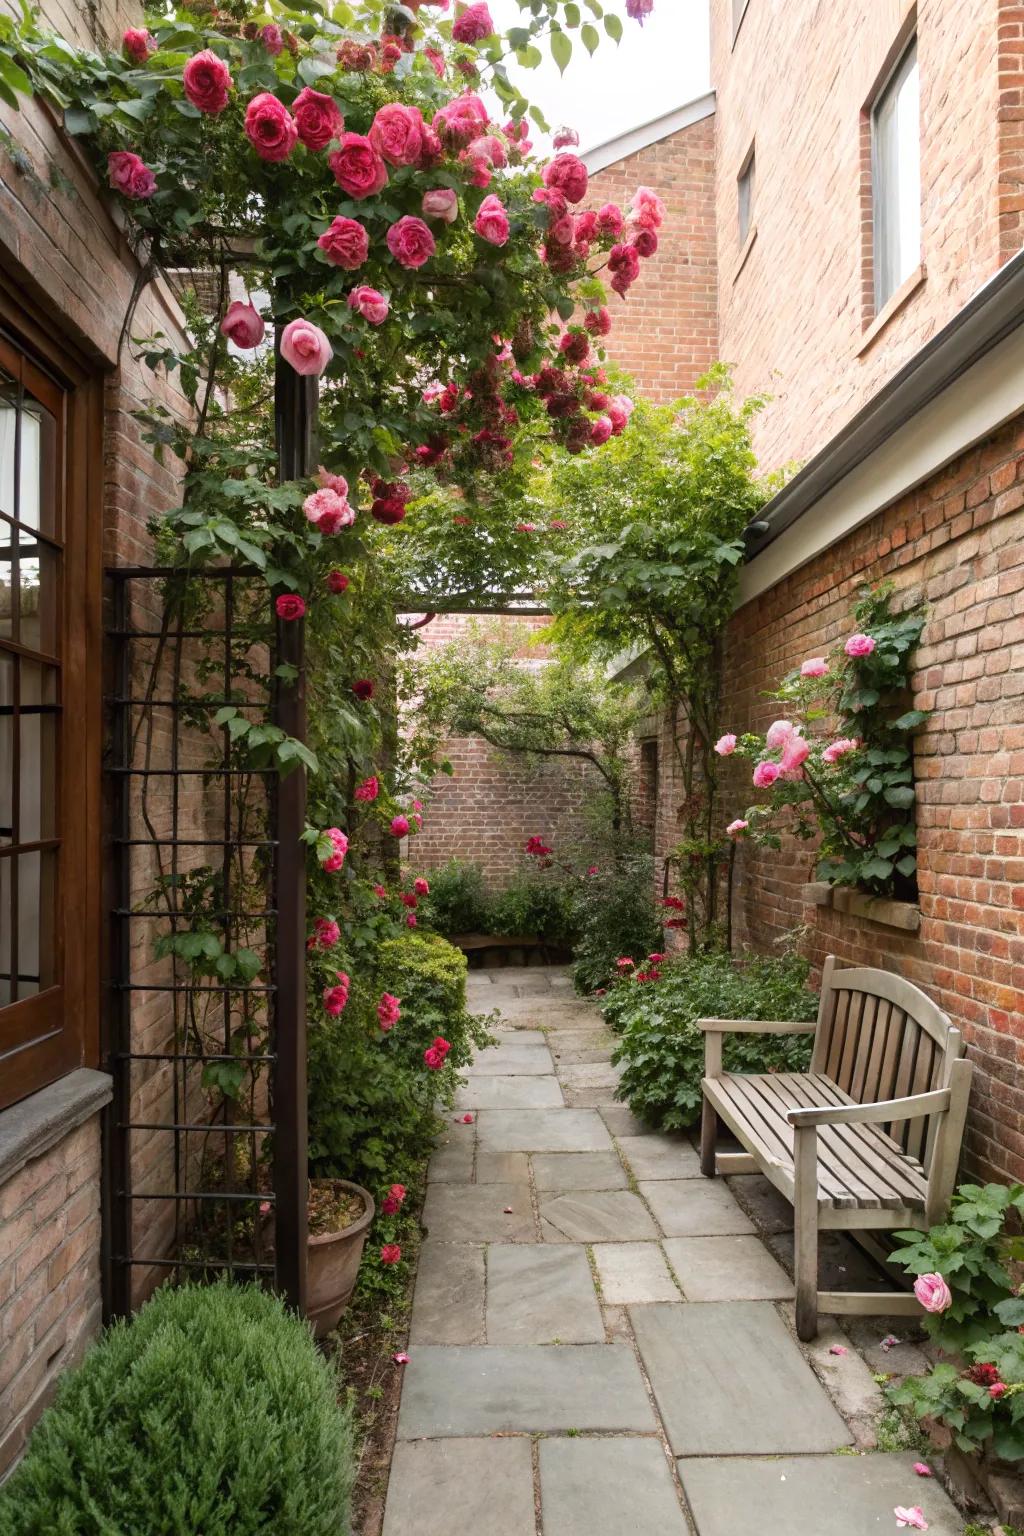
(295, 401)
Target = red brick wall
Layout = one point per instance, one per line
(665, 333)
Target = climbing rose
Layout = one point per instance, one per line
(439, 1043)
(473, 24)
(345, 244)
(373, 306)
(399, 826)
(272, 38)
(337, 582)
(357, 167)
(838, 749)
(567, 174)
(396, 133)
(610, 220)
(794, 754)
(363, 688)
(318, 118)
(410, 921)
(270, 127)
(305, 347)
(491, 223)
(129, 175)
(207, 81)
(390, 1253)
(339, 843)
(736, 827)
(859, 645)
(388, 510)
(409, 899)
(434, 1059)
(933, 1293)
(638, 9)
(410, 242)
(325, 935)
(461, 121)
(441, 203)
(565, 137)
(574, 346)
(388, 1011)
(243, 325)
(598, 321)
(356, 57)
(765, 775)
(646, 210)
(645, 243)
(335, 998)
(369, 789)
(328, 511)
(537, 847)
(601, 431)
(725, 745)
(289, 606)
(392, 1202)
(912, 1518)
(814, 666)
(624, 265)
(138, 43)
(624, 963)
(421, 886)
(778, 734)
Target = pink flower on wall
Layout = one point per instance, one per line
(814, 666)
(130, 175)
(859, 645)
(325, 935)
(345, 244)
(207, 81)
(270, 127)
(318, 118)
(726, 745)
(491, 222)
(567, 174)
(396, 133)
(368, 790)
(473, 24)
(339, 845)
(399, 826)
(794, 754)
(736, 827)
(244, 325)
(778, 734)
(357, 167)
(305, 347)
(837, 749)
(765, 775)
(388, 1011)
(410, 242)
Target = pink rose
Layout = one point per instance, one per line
(346, 244)
(331, 482)
(441, 203)
(933, 1293)
(814, 666)
(491, 222)
(396, 133)
(461, 121)
(618, 418)
(421, 886)
(838, 749)
(305, 347)
(765, 775)
(434, 1059)
(399, 826)
(568, 175)
(337, 582)
(610, 220)
(601, 431)
(328, 511)
(373, 306)
(624, 265)
(736, 827)
(289, 606)
(410, 242)
(357, 167)
(647, 210)
(997, 1389)
(922, 1469)
(859, 645)
(207, 81)
(339, 847)
(270, 127)
(794, 754)
(243, 325)
(272, 38)
(390, 1253)
(473, 24)
(910, 1519)
(325, 935)
(725, 745)
(138, 43)
(129, 175)
(318, 118)
(778, 734)
(565, 138)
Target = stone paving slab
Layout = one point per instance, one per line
(510, 1093)
(621, 1121)
(589, 1074)
(572, 1055)
(542, 1130)
(452, 1163)
(578, 1170)
(730, 1380)
(448, 1306)
(529, 1389)
(475, 1213)
(608, 1488)
(595, 1216)
(694, 1208)
(502, 1168)
(812, 1496)
(632, 1273)
(541, 1295)
(512, 1061)
(727, 1269)
(460, 1488)
(660, 1157)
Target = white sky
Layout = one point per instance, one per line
(655, 68)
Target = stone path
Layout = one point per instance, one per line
(601, 1342)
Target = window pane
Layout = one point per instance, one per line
(7, 665)
(37, 596)
(37, 750)
(896, 179)
(746, 199)
(7, 538)
(8, 414)
(6, 984)
(38, 467)
(36, 877)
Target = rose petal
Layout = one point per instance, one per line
(922, 1469)
(508, 1210)
(401, 1358)
(838, 1349)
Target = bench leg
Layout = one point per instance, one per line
(708, 1140)
(805, 1213)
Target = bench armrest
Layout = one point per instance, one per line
(873, 1114)
(754, 1027)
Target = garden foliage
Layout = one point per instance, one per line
(211, 1411)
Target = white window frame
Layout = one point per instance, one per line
(896, 177)
(746, 192)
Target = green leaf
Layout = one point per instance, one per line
(901, 796)
(311, 70)
(590, 37)
(912, 718)
(613, 26)
(78, 122)
(876, 869)
(14, 76)
(572, 13)
(561, 50)
(907, 864)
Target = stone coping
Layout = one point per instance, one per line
(904, 915)
(36, 1124)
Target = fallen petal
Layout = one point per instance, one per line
(467, 1119)
(508, 1210)
(889, 1342)
(911, 1519)
(401, 1358)
(922, 1469)
(839, 1349)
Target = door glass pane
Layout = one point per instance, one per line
(37, 750)
(36, 876)
(38, 467)
(6, 987)
(37, 596)
(8, 535)
(8, 397)
(7, 665)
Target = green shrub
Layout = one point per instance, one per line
(538, 902)
(616, 915)
(663, 1050)
(210, 1412)
(458, 901)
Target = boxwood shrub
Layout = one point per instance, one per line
(211, 1411)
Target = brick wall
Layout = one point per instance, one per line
(666, 333)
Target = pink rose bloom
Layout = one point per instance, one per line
(410, 921)
(410, 242)
(289, 606)
(997, 1389)
(461, 121)
(138, 43)
(207, 81)
(794, 754)
(337, 582)
(778, 734)
(317, 118)
(814, 666)
(473, 24)
(129, 175)
(339, 843)
(491, 223)
(390, 1253)
(765, 775)
(566, 138)
(346, 244)
(598, 321)
(270, 127)
(838, 749)
(725, 745)
(434, 1059)
(618, 418)
(357, 167)
(736, 827)
(859, 645)
(435, 60)
(336, 998)
(645, 243)
(601, 431)
(490, 149)
(328, 511)
(396, 133)
(305, 347)
(373, 306)
(567, 174)
(389, 1010)
(368, 790)
(912, 1519)
(243, 325)
(646, 210)
(272, 38)
(441, 203)
(421, 886)
(329, 482)
(624, 265)
(399, 826)
(636, 10)
(610, 220)
(326, 934)
(922, 1469)
(933, 1293)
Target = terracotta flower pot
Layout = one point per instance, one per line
(333, 1264)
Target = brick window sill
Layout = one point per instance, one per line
(30, 1128)
(891, 307)
(902, 915)
(745, 251)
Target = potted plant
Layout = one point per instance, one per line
(340, 1216)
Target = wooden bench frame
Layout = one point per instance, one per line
(874, 1031)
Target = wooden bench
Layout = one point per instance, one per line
(869, 1137)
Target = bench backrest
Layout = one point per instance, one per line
(879, 1037)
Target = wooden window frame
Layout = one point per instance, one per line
(45, 1036)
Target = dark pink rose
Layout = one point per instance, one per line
(610, 220)
(461, 121)
(317, 118)
(270, 127)
(646, 209)
(396, 133)
(345, 244)
(410, 242)
(358, 168)
(568, 175)
(601, 431)
(645, 242)
(289, 606)
(441, 203)
(305, 347)
(565, 138)
(207, 81)
(624, 265)
(491, 223)
(373, 306)
(598, 321)
(473, 24)
(435, 60)
(243, 325)
(272, 38)
(138, 44)
(129, 175)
